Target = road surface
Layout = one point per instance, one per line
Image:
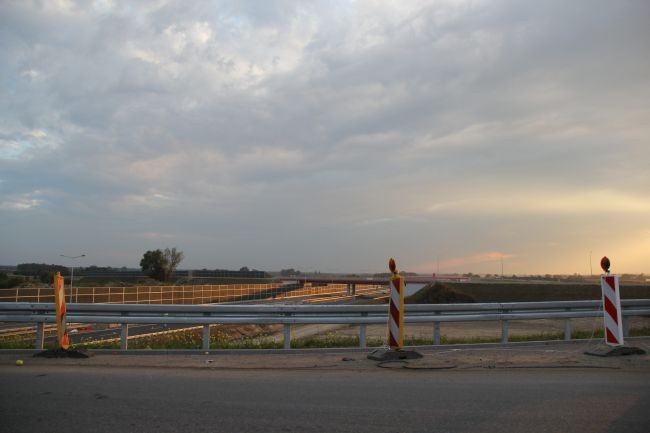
(80, 398)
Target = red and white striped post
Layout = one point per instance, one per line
(395, 322)
(61, 314)
(396, 309)
(611, 306)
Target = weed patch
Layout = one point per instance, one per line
(193, 340)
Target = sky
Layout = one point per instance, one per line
(455, 136)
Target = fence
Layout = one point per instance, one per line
(195, 294)
(288, 315)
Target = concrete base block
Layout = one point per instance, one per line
(606, 351)
(393, 355)
(60, 353)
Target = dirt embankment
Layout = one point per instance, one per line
(514, 292)
(438, 293)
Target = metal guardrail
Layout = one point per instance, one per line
(362, 315)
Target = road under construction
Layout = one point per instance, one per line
(291, 292)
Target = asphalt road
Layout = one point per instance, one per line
(69, 399)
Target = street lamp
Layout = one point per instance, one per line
(71, 270)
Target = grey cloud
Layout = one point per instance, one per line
(277, 118)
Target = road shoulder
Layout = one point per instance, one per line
(565, 355)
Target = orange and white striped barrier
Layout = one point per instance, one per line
(611, 306)
(61, 323)
(396, 309)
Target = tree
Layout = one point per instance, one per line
(153, 264)
(289, 272)
(172, 258)
(161, 265)
(7, 282)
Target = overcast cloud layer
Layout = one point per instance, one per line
(327, 136)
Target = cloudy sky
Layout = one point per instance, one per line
(452, 135)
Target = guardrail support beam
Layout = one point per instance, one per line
(40, 335)
(504, 331)
(124, 336)
(287, 336)
(363, 330)
(567, 329)
(206, 337)
(362, 335)
(436, 333)
(626, 327)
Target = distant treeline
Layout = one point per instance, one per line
(7, 282)
(43, 272)
(388, 274)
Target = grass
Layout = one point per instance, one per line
(192, 340)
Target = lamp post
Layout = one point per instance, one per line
(71, 270)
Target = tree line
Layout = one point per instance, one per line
(41, 271)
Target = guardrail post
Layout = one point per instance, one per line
(40, 335)
(363, 332)
(206, 337)
(626, 327)
(287, 336)
(504, 331)
(124, 336)
(567, 327)
(436, 333)
(287, 333)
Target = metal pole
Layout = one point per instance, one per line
(124, 336)
(40, 335)
(363, 332)
(567, 329)
(71, 270)
(504, 331)
(362, 335)
(206, 337)
(436, 333)
(71, 278)
(287, 336)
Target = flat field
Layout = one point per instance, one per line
(537, 292)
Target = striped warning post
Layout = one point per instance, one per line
(396, 309)
(61, 323)
(612, 310)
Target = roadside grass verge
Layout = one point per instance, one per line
(192, 340)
